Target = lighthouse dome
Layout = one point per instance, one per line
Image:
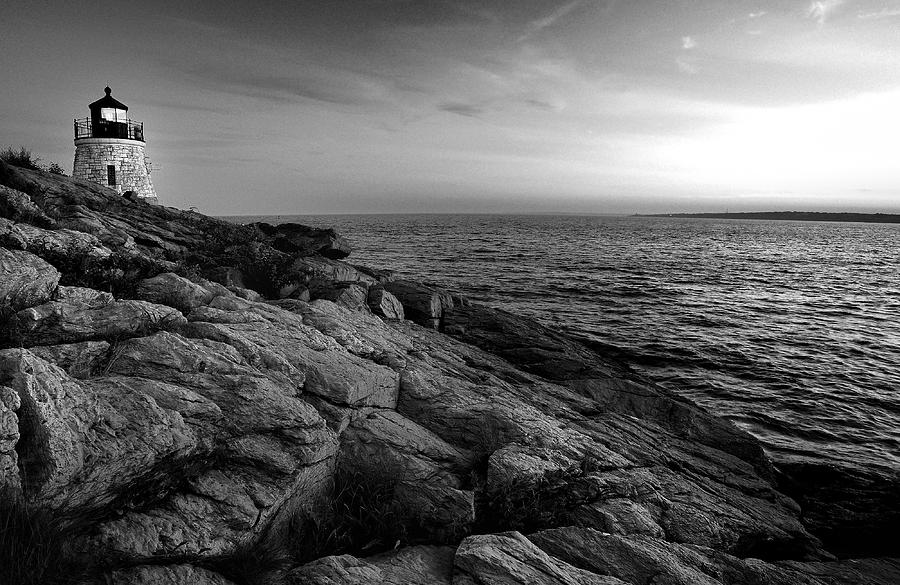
(108, 108)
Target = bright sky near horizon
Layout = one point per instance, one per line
(359, 106)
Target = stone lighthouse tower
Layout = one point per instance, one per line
(109, 150)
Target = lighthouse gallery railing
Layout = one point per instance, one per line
(87, 128)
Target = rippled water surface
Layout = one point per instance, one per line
(790, 329)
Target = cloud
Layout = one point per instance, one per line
(688, 43)
(759, 14)
(332, 86)
(468, 110)
(884, 13)
(540, 24)
(554, 106)
(687, 66)
(821, 10)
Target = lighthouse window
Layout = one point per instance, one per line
(111, 175)
(113, 114)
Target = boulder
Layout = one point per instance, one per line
(315, 362)
(642, 559)
(72, 319)
(336, 570)
(569, 462)
(360, 333)
(428, 472)
(613, 387)
(871, 571)
(314, 270)
(351, 295)
(269, 453)
(165, 575)
(25, 280)
(83, 442)
(174, 291)
(384, 304)
(245, 293)
(382, 275)
(511, 558)
(415, 565)
(423, 304)
(301, 240)
(9, 438)
(78, 360)
(18, 207)
(215, 315)
(62, 247)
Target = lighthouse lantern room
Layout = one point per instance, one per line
(109, 150)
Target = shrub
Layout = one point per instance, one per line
(22, 158)
(55, 169)
(36, 546)
(244, 247)
(118, 274)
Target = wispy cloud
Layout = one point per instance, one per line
(461, 109)
(759, 14)
(884, 13)
(550, 106)
(540, 24)
(821, 10)
(332, 86)
(688, 43)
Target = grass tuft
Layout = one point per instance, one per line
(259, 563)
(36, 546)
(364, 516)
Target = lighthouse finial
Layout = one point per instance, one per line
(107, 90)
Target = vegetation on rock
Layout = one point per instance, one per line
(36, 545)
(24, 158)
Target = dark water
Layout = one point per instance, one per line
(790, 329)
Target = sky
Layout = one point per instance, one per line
(479, 106)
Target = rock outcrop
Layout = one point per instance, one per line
(188, 430)
(25, 280)
(301, 240)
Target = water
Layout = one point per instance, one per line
(789, 329)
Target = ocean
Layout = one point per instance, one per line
(790, 329)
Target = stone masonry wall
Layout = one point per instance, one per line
(92, 155)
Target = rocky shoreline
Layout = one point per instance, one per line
(192, 401)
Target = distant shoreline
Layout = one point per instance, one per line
(789, 215)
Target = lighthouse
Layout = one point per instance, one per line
(109, 150)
